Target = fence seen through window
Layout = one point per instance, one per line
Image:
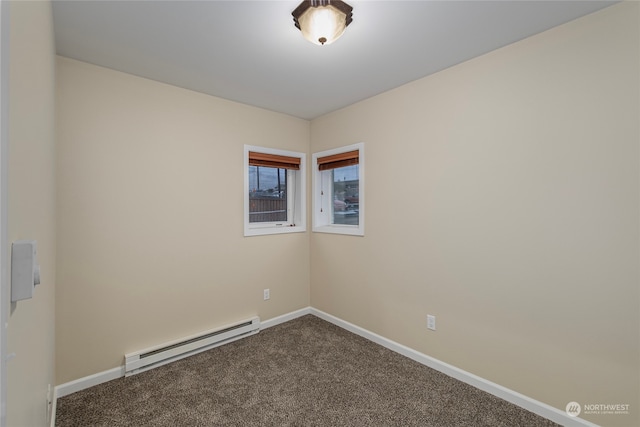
(267, 194)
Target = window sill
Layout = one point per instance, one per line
(350, 230)
(263, 231)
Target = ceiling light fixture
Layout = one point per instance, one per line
(322, 21)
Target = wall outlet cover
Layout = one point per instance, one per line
(431, 322)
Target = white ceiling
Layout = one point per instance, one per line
(250, 51)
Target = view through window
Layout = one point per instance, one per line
(346, 195)
(267, 194)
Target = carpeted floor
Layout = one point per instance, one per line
(306, 372)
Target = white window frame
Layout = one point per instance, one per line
(296, 197)
(322, 204)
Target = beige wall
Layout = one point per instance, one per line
(502, 197)
(150, 224)
(31, 207)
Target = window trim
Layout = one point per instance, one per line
(295, 202)
(321, 221)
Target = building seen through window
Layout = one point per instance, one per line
(346, 195)
(267, 194)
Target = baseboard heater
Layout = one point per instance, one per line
(153, 357)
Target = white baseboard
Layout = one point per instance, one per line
(90, 381)
(285, 318)
(497, 390)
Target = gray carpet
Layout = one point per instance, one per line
(306, 372)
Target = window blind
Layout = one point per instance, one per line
(273, 161)
(339, 160)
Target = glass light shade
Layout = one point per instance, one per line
(323, 24)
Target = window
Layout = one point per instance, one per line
(338, 190)
(274, 191)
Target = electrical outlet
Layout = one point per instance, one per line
(266, 294)
(431, 322)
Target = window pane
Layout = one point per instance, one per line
(346, 195)
(267, 194)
